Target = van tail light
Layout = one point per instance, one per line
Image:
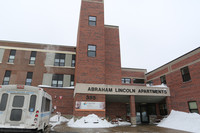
(36, 115)
(0, 86)
(37, 111)
(20, 86)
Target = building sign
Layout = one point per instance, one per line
(121, 90)
(126, 90)
(89, 106)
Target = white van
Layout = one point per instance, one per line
(24, 108)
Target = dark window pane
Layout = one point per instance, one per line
(3, 103)
(91, 54)
(72, 80)
(18, 101)
(138, 81)
(16, 115)
(92, 20)
(150, 83)
(57, 80)
(32, 58)
(33, 54)
(163, 80)
(73, 60)
(43, 104)
(185, 74)
(8, 73)
(126, 80)
(29, 78)
(29, 75)
(59, 60)
(6, 78)
(47, 105)
(12, 56)
(193, 107)
(91, 50)
(12, 52)
(91, 47)
(32, 103)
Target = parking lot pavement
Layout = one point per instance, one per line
(122, 129)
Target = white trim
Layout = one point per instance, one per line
(38, 50)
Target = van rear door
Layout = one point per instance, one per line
(17, 109)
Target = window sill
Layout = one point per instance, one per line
(59, 66)
(31, 64)
(184, 82)
(10, 63)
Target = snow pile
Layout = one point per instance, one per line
(57, 120)
(123, 123)
(182, 121)
(162, 85)
(90, 121)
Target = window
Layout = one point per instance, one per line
(29, 78)
(18, 101)
(12, 56)
(126, 80)
(32, 58)
(185, 74)
(6, 79)
(57, 80)
(72, 80)
(163, 80)
(59, 60)
(193, 107)
(150, 83)
(3, 103)
(45, 104)
(92, 20)
(32, 103)
(73, 60)
(16, 115)
(91, 50)
(138, 81)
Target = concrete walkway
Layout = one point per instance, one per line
(123, 129)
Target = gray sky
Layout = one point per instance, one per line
(152, 32)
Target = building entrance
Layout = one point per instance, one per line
(144, 114)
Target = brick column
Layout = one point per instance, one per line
(169, 106)
(133, 110)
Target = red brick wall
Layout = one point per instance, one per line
(64, 105)
(182, 92)
(158, 73)
(113, 61)
(90, 69)
(115, 109)
(21, 66)
(82, 97)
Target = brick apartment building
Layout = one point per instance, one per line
(89, 79)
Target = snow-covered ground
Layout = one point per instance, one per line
(57, 120)
(90, 121)
(93, 121)
(182, 121)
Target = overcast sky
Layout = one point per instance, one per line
(152, 32)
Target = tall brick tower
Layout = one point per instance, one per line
(90, 58)
(97, 57)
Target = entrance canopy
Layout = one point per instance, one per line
(149, 99)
